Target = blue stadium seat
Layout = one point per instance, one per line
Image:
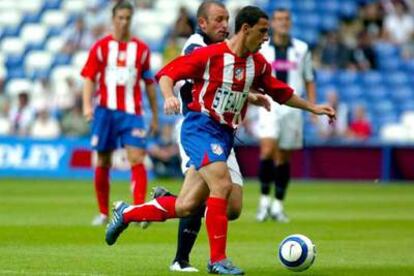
(396, 78)
(346, 77)
(308, 20)
(329, 6)
(386, 50)
(287, 4)
(383, 107)
(61, 59)
(388, 64)
(32, 17)
(14, 61)
(375, 93)
(371, 77)
(329, 22)
(401, 93)
(407, 105)
(348, 9)
(324, 77)
(11, 31)
(351, 93)
(15, 73)
(51, 4)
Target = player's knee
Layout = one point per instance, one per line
(104, 161)
(233, 214)
(234, 211)
(135, 159)
(186, 207)
(223, 190)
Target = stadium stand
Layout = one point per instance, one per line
(31, 39)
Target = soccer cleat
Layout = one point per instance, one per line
(117, 225)
(280, 217)
(262, 214)
(224, 267)
(182, 266)
(99, 220)
(156, 192)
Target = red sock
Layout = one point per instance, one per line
(101, 182)
(138, 183)
(158, 209)
(216, 223)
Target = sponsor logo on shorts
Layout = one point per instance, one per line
(217, 149)
(138, 132)
(94, 140)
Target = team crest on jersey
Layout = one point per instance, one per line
(217, 149)
(238, 73)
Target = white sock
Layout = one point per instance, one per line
(264, 201)
(277, 206)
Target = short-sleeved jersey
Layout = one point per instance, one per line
(222, 81)
(184, 88)
(291, 64)
(118, 67)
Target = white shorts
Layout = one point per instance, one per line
(281, 123)
(232, 164)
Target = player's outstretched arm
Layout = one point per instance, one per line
(171, 102)
(318, 109)
(258, 99)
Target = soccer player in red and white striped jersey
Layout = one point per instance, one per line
(223, 74)
(116, 64)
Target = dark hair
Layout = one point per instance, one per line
(120, 5)
(281, 10)
(249, 15)
(202, 9)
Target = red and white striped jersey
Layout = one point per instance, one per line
(222, 81)
(118, 67)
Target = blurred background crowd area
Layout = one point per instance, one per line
(363, 53)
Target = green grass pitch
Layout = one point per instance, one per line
(358, 229)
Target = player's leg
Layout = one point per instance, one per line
(217, 177)
(131, 131)
(290, 138)
(236, 196)
(268, 132)
(282, 179)
(139, 180)
(158, 209)
(189, 227)
(101, 184)
(103, 142)
(266, 176)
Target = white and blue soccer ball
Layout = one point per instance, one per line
(297, 252)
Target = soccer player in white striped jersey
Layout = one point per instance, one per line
(115, 66)
(280, 131)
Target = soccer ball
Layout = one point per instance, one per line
(297, 252)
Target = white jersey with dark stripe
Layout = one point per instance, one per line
(296, 63)
(184, 88)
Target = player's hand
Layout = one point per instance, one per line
(87, 112)
(324, 109)
(153, 128)
(259, 100)
(171, 105)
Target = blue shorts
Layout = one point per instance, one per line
(112, 129)
(204, 140)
